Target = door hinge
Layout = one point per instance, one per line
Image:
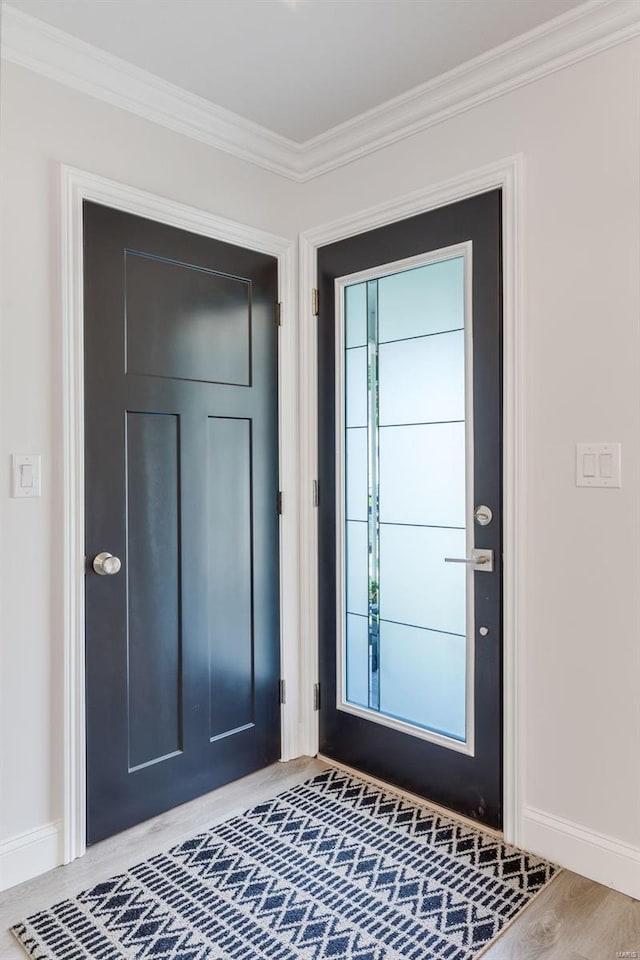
(279, 502)
(316, 696)
(282, 691)
(315, 301)
(279, 313)
(316, 493)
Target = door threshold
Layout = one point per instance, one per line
(413, 797)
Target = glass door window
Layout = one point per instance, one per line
(405, 448)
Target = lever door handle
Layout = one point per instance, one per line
(481, 560)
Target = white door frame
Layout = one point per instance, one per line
(78, 186)
(506, 174)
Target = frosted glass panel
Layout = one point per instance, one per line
(422, 474)
(356, 315)
(403, 452)
(357, 660)
(422, 381)
(423, 678)
(356, 474)
(357, 569)
(429, 299)
(416, 585)
(356, 377)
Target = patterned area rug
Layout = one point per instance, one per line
(334, 868)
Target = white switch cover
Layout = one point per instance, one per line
(25, 476)
(598, 465)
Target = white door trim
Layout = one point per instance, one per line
(78, 186)
(506, 174)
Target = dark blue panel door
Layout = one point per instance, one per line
(181, 479)
(410, 512)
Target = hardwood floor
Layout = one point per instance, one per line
(119, 853)
(571, 919)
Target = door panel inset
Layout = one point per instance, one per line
(230, 574)
(186, 322)
(153, 588)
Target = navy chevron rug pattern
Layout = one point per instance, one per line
(334, 868)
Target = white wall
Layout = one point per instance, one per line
(579, 132)
(42, 125)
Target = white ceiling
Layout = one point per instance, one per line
(297, 67)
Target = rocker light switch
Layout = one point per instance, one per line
(598, 465)
(25, 476)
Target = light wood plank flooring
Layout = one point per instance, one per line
(571, 919)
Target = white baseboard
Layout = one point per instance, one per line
(29, 854)
(595, 855)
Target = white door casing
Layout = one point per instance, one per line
(298, 455)
(506, 175)
(78, 186)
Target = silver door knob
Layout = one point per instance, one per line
(105, 564)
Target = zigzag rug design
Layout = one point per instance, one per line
(334, 869)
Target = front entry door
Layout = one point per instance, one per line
(181, 480)
(410, 509)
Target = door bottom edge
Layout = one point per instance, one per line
(412, 797)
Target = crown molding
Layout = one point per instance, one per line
(588, 29)
(581, 32)
(34, 44)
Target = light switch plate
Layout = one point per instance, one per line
(25, 475)
(598, 465)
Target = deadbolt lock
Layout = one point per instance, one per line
(483, 515)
